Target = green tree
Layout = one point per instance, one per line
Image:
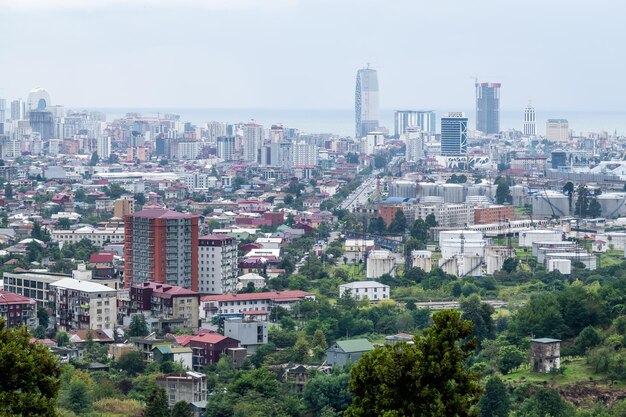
(77, 397)
(479, 314)
(587, 339)
(156, 404)
(377, 226)
(399, 223)
(431, 221)
(42, 317)
(94, 159)
(595, 209)
(63, 223)
(30, 375)
(582, 201)
(138, 326)
(62, 339)
(429, 378)
(8, 191)
(182, 409)
(419, 230)
(325, 391)
(568, 188)
(131, 362)
(140, 198)
(503, 193)
(509, 358)
(495, 400)
(547, 402)
(510, 265)
(38, 233)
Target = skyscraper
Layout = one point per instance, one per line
(529, 121)
(366, 101)
(454, 134)
(423, 119)
(161, 246)
(414, 144)
(252, 141)
(488, 107)
(226, 147)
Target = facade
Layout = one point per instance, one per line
(218, 264)
(545, 355)
(32, 285)
(493, 214)
(226, 148)
(366, 102)
(557, 130)
(250, 333)
(347, 351)
(379, 263)
(252, 142)
(190, 387)
(83, 304)
(97, 236)
(424, 120)
(304, 154)
(256, 303)
(161, 246)
(372, 142)
(359, 290)
(207, 347)
(123, 206)
(166, 306)
(454, 134)
(415, 144)
(488, 107)
(530, 121)
(104, 147)
(17, 310)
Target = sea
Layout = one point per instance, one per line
(341, 121)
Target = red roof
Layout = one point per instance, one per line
(270, 295)
(165, 291)
(101, 258)
(12, 298)
(184, 340)
(160, 213)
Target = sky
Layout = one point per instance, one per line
(304, 54)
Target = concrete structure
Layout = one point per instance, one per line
(366, 102)
(564, 266)
(541, 247)
(557, 130)
(250, 333)
(379, 263)
(403, 189)
(545, 355)
(207, 347)
(32, 285)
(218, 270)
(488, 107)
(456, 234)
(161, 246)
(616, 240)
(454, 134)
(171, 353)
(493, 214)
(530, 121)
(613, 205)
(422, 259)
(359, 290)
(373, 142)
(123, 206)
(165, 306)
(355, 250)
(347, 351)
(190, 387)
(258, 281)
(252, 303)
(83, 304)
(226, 148)
(17, 310)
(587, 259)
(549, 203)
(527, 237)
(424, 120)
(252, 141)
(495, 257)
(462, 245)
(462, 265)
(97, 236)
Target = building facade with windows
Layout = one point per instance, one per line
(83, 304)
(217, 264)
(366, 101)
(454, 134)
(17, 310)
(488, 107)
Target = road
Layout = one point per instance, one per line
(359, 196)
(444, 305)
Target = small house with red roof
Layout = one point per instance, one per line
(165, 306)
(16, 309)
(207, 347)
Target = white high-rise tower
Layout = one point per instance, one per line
(366, 101)
(530, 125)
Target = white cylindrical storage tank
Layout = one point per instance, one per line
(471, 266)
(449, 266)
(613, 204)
(548, 203)
(527, 237)
(616, 240)
(422, 259)
(432, 199)
(468, 247)
(456, 234)
(477, 199)
(380, 262)
(564, 266)
(495, 256)
(588, 259)
(563, 244)
(403, 189)
(519, 194)
(428, 189)
(453, 193)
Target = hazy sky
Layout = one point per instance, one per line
(564, 54)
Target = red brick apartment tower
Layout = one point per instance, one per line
(161, 246)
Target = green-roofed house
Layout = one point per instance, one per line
(347, 351)
(168, 352)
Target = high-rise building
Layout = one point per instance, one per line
(423, 119)
(488, 107)
(252, 141)
(454, 134)
(42, 122)
(557, 130)
(366, 101)
(3, 107)
(372, 142)
(215, 130)
(530, 125)
(226, 147)
(304, 154)
(218, 269)
(18, 110)
(161, 246)
(123, 206)
(104, 146)
(415, 144)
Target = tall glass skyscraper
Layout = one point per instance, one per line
(454, 134)
(366, 101)
(488, 107)
(424, 119)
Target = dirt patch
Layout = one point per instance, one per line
(588, 395)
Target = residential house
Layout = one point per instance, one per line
(347, 351)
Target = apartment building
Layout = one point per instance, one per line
(165, 306)
(17, 310)
(83, 304)
(97, 236)
(190, 387)
(218, 264)
(493, 214)
(31, 285)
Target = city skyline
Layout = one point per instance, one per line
(217, 76)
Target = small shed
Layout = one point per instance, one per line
(545, 354)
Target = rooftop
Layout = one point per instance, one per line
(355, 345)
(270, 295)
(160, 213)
(83, 286)
(12, 298)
